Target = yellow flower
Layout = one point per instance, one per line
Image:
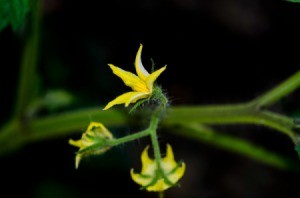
(155, 178)
(141, 84)
(92, 142)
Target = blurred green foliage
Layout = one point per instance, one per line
(13, 12)
(295, 1)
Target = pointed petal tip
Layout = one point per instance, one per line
(183, 165)
(105, 108)
(153, 76)
(127, 103)
(70, 141)
(76, 143)
(146, 149)
(145, 157)
(108, 106)
(164, 68)
(170, 153)
(181, 170)
(77, 161)
(169, 145)
(140, 69)
(111, 66)
(132, 172)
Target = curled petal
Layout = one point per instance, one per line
(168, 162)
(100, 130)
(136, 97)
(140, 69)
(77, 160)
(148, 165)
(96, 133)
(159, 186)
(93, 125)
(139, 179)
(150, 80)
(127, 98)
(158, 175)
(130, 79)
(177, 174)
(141, 84)
(76, 143)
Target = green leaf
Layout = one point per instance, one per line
(52, 101)
(13, 12)
(235, 144)
(294, 1)
(56, 99)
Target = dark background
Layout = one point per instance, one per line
(217, 52)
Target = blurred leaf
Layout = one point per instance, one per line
(57, 99)
(13, 12)
(237, 145)
(52, 101)
(297, 145)
(294, 1)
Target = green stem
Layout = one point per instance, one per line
(116, 142)
(247, 113)
(275, 94)
(58, 125)
(29, 63)
(154, 140)
(67, 123)
(230, 114)
(130, 138)
(233, 144)
(154, 123)
(161, 194)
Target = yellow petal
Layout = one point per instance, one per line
(140, 70)
(160, 185)
(77, 160)
(148, 165)
(170, 154)
(143, 181)
(126, 98)
(136, 97)
(88, 138)
(129, 79)
(100, 130)
(95, 124)
(150, 80)
(77, 143)
(168, 162)
(154, 180)
(174, 177)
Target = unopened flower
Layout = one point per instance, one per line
(158, 176)
(93, 141)
(141, 84)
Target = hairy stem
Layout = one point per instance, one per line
(130, 138)
(230, 114)
(275, 94)
(154, 140)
